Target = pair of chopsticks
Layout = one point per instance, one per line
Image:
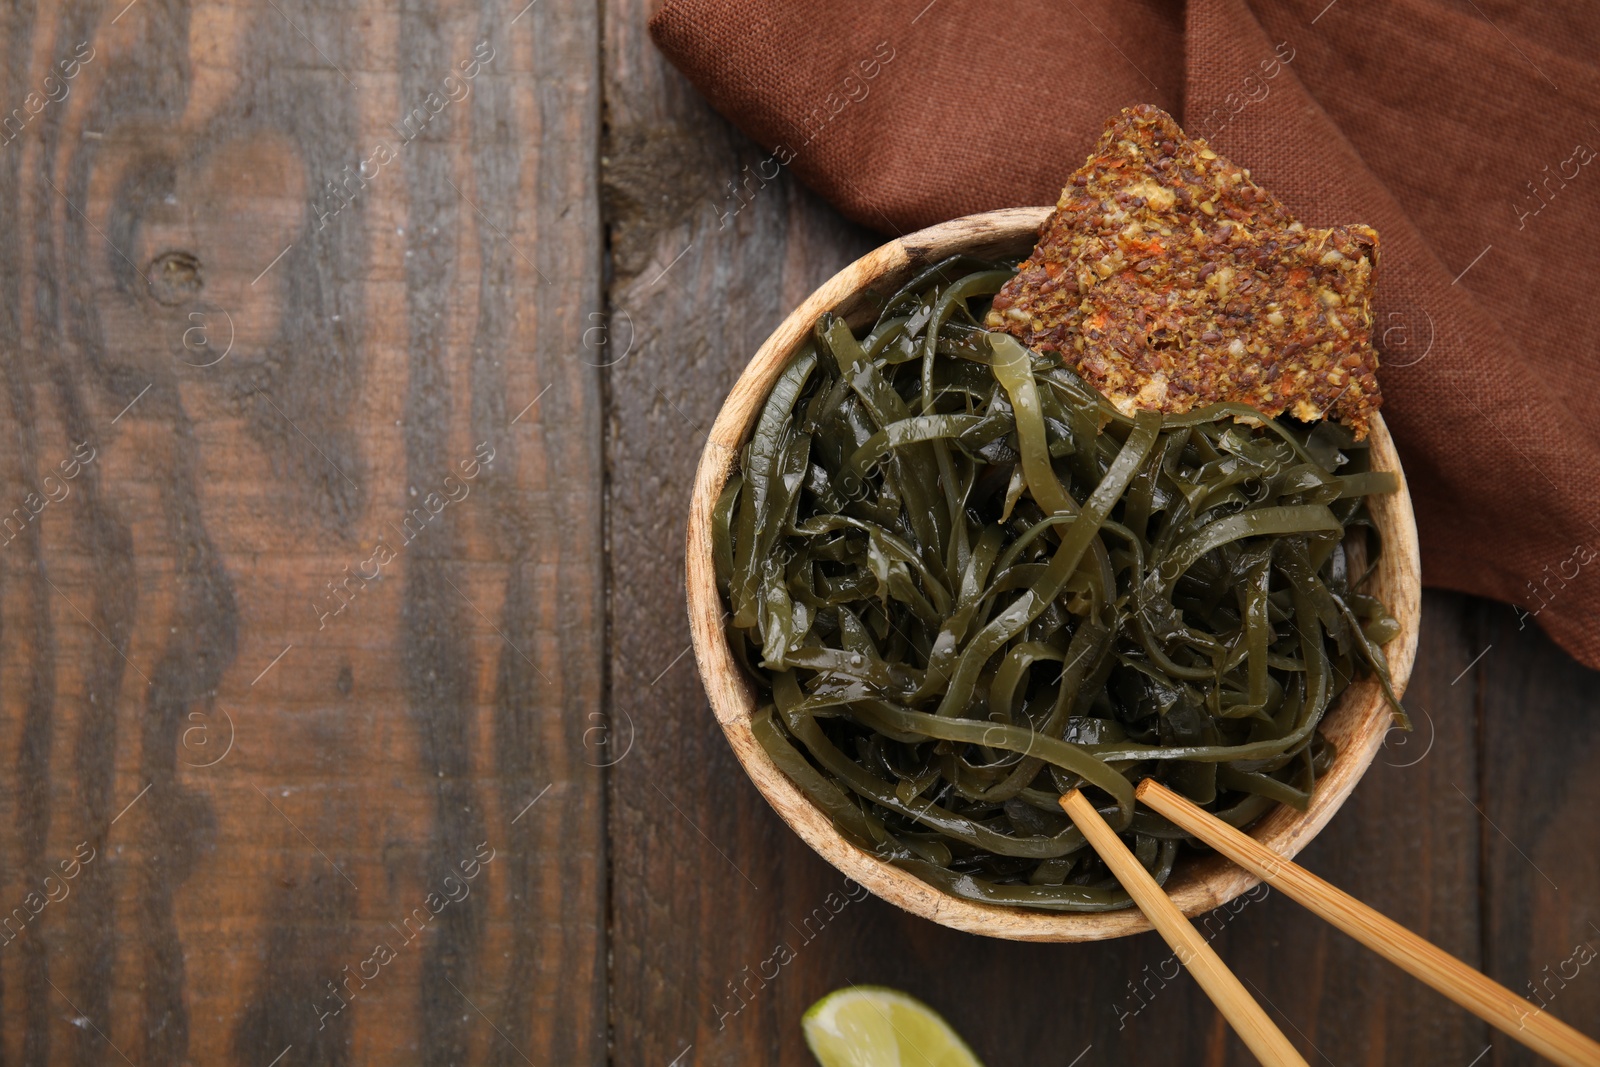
(1479, 994)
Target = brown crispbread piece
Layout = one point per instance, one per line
(1170, 280)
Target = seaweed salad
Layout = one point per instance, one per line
(965, 583)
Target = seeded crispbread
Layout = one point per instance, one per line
(1170, 280)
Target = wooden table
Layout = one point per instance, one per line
(356, 361)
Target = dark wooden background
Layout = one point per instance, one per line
(270, 388)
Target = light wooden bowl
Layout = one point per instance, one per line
(1356, 724)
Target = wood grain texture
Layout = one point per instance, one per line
(1538, 817)
(242, 349)
(692, 297)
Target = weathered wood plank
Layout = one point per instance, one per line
(692, 297)
(291, 650)
(1540, 815)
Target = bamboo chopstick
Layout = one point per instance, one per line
(1479, 994)
(1225, 990)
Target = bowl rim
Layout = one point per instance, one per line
(1357, 722)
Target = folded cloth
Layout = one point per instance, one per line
(1460, 132)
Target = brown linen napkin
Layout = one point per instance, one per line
(1465, 133)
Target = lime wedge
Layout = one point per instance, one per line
(871, 1026)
